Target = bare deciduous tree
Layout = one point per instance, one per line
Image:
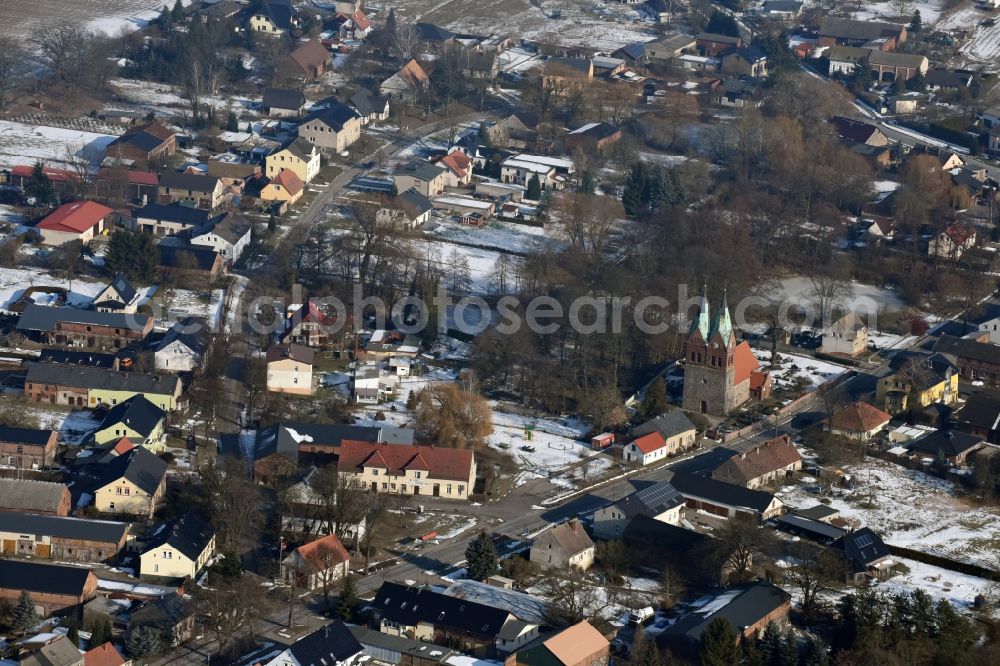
(448, 416)
(406, 39)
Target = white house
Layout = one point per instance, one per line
(183, 347)
(289, 369)
(371, 385)
(401, 365)
(660, 501)
(118, 296)
(229, 237)
(332, 644)
(180, 549)
(992, 328)
(646, 449)
(848, 336)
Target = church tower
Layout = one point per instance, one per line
(709, 369)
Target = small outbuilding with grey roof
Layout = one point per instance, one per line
(563, 547)
(370, 107)
(282, 103)
(52, 588)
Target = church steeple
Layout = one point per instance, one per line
(700, 324)
(723, 324)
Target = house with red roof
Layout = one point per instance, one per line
(762, 465)
(316, 565)
(952, 242)
(285, 187)
(80, 220)
(859, 421)
(104, 655)
(126, 185)
(656, 439)
(307, 325)
(459, 168)
(405, 469)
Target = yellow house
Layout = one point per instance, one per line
(136, 418)
(133, 482)
(919, 380)
(299, 156)
(286, 186)
(117, 387)
(273, 18)
(180, 549)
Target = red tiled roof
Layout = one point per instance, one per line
(122, 446)
(859, 417)
(440, 463)
(758, 379)
(959, 233)
(457, 161)
(289, 180)
(361, 21)
(77, 216)
(103, 655)
(649, 443)
(58, 175)
(322, 554)
(134, 177)
(745, 363)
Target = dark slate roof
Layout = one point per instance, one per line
(141, 140)
(124, 288)
(283, 438)
(67, 528)
(168, 610)
(280, 12)
(66, 357)
(815, 528)
(416, 201)
(30, 436)
(751, 54)
(946, 78)
(782, 6)
(204, 257)
(137, 413)
(818, 512)
(844, 28)
(419, 169)
(44, 318)
(99, 378)
(139, 466)
(189, 181)
(670, 424)
(944, 443)
(331, 644)
(429, 32)
(861, 548)
(280, 98)
(968, 348)
(367, 104)
(651, 501)
(742, 606)
(336, 115)
(173, 213)
(189, 535)
(409, 606)
(635, 50)
(663, 538)
(981, 410)
(192, 332)
(723, 493)
(230, 227)
(42, 578)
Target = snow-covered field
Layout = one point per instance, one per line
(930, 10)
(984, 44)
(795, 368)
(182, 303)
(27, 144)
(505, 236)
(913, 510)
(23, 17)
(865, 299)
(481, 262)
(166, 99)
(555, 445)
(14, 281)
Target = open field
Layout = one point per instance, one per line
(23, 17)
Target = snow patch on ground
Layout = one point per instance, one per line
(27, 144)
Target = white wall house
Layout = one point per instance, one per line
(229, 237)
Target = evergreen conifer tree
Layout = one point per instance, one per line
(481, 560)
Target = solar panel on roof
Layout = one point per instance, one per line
(661, 494)
(863, 540)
